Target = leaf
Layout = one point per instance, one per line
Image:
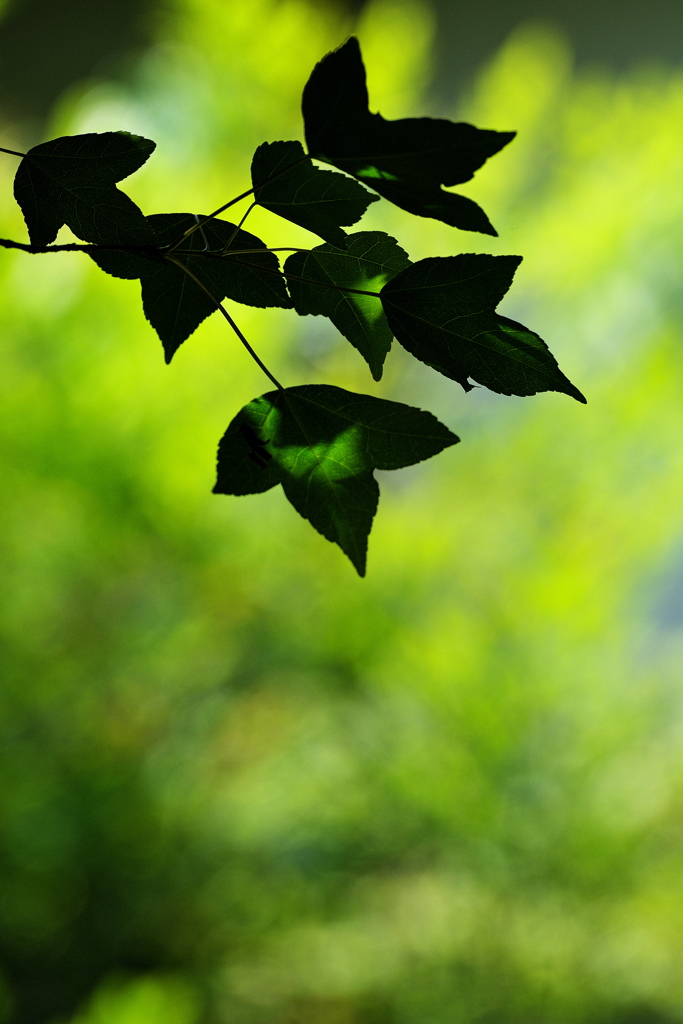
(442, 310)
(286, 182)
(72, 180)
(406, 161)
(370, 260)
(173, 303)
(322, 444)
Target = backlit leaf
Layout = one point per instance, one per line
(72, 180)
(322, 444)
(443, 311)
(173, 303)
(406, 161)
(287, 183)
(370, 260)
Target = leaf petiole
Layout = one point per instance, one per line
(325, 284)
(7, 243)
(306, 280)
(222, 255)
(237, 199)
(226, 247)
(12, 152)
(220, 307)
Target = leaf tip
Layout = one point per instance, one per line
(571, 390)
(350, 47)
(358, 560)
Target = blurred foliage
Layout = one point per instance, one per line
(238, 784)
(46, 47)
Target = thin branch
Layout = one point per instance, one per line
(199, 226)
(226, 206)
(139, 250)
(220, 255)
(324, 284)
(7, 243)
(277, 273)
(304, 280)
(226, 247)
(221, 308)
(221, 209)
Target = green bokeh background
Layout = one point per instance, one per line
(237, 783)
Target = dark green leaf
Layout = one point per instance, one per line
(443, 311)
(370, 260)
(128, 265)
(406, 161)
(173, 303)
(286, 182)
(322, 444)
(72, 180)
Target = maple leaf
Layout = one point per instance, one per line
(173, 302)
(287, 183)
(72, 180)
(442, 310)
(317, 281)
(406, 161)
(322, 444)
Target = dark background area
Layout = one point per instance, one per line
(614, 33)
(47, 46)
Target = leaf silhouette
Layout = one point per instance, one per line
(72, 180)
(442, 310)
(406, 161)
(322, 444)
(173, 303)
(370, 260)
(286, 182)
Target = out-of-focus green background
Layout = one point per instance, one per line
(238, 785)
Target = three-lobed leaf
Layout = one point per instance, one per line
(443, 311)
(322, 444)
(287, 183)
(406, 161)
(230, 263)
(333, 283)
(72, 180)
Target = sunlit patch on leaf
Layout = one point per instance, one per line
(374, 172)
(323, 445)
(370, 260)
(406, 161)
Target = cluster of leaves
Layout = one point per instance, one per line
(320, 442)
